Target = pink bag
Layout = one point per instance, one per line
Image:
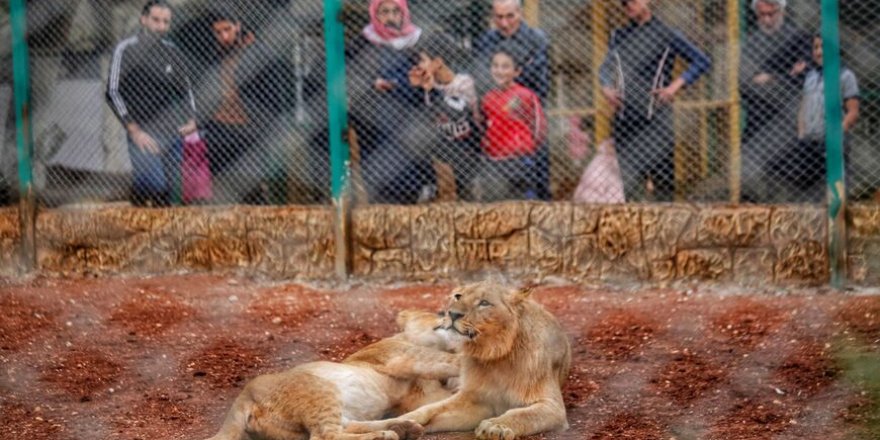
(601, 182)
(195, 170)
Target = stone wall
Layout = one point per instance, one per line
(754, 245)
(647, 243)
(287, 242)
(10, 241)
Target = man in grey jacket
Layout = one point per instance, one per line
(149, 91)
(636, 80)
(770, 92)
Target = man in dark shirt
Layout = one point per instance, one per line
(149, 91)
(533, 44)
(635, 79)
(245, 98)
(770, 92)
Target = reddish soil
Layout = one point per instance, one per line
(163, 357)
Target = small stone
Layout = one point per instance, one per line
(276, 320)
(233, 298)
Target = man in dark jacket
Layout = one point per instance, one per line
(246, 97)
(770, 92)
(507, 16)
(149, 91)
(636, 79)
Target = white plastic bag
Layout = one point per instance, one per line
(601, 182)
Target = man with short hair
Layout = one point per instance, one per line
(246, 97)
(507, 18)
(769, 89)
(149, 91)
(639, 82)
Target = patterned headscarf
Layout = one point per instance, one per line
(378, 33)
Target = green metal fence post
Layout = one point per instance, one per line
(24, 136)
(334, 48)
(834, 143)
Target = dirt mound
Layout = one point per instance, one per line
(630, 426)
(83, 373)
(225, 363)
(688, 376)
(21, 320)
(747, 324)
(20, 422)
(620, 333)
(151, 313)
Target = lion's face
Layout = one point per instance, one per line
(486, 316)
(426, 329)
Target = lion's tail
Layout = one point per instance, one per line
(235, 424)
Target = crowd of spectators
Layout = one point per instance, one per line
(424, 105)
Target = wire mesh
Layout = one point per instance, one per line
(437, 113)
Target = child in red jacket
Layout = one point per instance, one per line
(515, 127)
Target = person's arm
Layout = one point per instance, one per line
(537, 68)
(850, 92)
(608, 72)
(698, 64)
(851, 115)
(185, 79)
(119, 66)
(118, 69)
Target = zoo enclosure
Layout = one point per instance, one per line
(80, 153)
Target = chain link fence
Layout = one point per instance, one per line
(463, 100)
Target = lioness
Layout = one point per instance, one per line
(315, 400)
(515, 360)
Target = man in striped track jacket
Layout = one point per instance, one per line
(149, 91)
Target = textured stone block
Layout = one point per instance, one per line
(585, 219)
(433, 240)
(619, 233)
(729, 226)
(511, 252)
(392, 262)
(10, 241)
(583, 257)
(704, 264)
(368, 226)
(754, 266)
(668, 227)
(804, 262)
(490, 221)
(552, 219)
(472, 254)
(863, 220)
(546, 251)
(797, 223)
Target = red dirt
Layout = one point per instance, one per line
(163, 357)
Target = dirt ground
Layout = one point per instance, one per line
(163, 357)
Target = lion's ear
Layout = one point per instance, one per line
(404, 316)
(521, 294)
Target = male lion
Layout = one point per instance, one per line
(315, 400)
(515, 360)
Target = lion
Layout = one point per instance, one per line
(515, 359)
(316, 399)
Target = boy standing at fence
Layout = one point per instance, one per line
(149, 91)
(450, 99)
(636, 81)
(515, 127)
(806, 167)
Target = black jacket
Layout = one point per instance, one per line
(149, 84)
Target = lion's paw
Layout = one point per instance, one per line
(387, 435)
(407, 430)
(492, 430)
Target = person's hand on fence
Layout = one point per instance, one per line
(798, 68)
(143, 140)
(188, 128)
(613, 98)
(762, 78)
(667, 94)
(383, 85)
